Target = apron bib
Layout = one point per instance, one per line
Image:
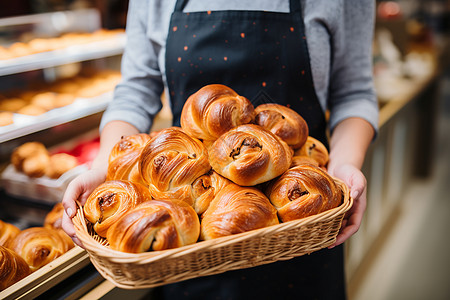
(264, 57)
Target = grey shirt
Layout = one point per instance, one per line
(339, 37)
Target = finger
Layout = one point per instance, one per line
(70, 196)
(357, 186)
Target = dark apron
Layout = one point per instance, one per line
(264, 57)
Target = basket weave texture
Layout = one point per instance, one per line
(257, 247)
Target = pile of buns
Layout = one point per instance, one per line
(41, 98)
(38, 45)
(25, 251)
(230, 168)
(34, 160)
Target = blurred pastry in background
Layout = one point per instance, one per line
(25, 151)
(6, 118)
(59, 164)
(12, 104)
(31, 110)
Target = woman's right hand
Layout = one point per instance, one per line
(79, 190)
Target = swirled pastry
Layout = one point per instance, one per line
(249, 155)
(171, 162)
(237, 209)
(284, 122)
(155, 225)
(12, 268)
(124, 157)
(301, 160)
(213, 110)
(205, 188)
(54, 218)
(314, 149)
(8, 232)
(303, 191)
(111, 200)
(39, 245)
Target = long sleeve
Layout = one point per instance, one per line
(351, 90)
(137, 97)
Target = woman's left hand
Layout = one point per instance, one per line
(357, 183)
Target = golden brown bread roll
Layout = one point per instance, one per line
(171, 162)
(8, 232)
(301, 160)
(237, 209)
(39, 245)
(45, 100)
(36, 165)
(124, 157)
(12, 104)
(32, 110)
(12, 268)
(155, 225)
(54, 218)
(111, 200)
(24, 151)
(303, 191)
(205, 188)
(59, 164)
(284, 122)
(213, 110)
(249, 155)
(314, 149)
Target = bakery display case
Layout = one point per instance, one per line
(57, 73)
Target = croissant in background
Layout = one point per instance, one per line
(249, 155)
(314, 149)
(237, 209)
(155, 225)
(171, 162)
(124, 157)
(213, 110)
(303, 191)
(205, 188)
(284, 122)
(54, 218)
(8, 232)
(110, 201)
(12, 268)
(39, 245)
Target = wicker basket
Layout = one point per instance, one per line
(278, 242)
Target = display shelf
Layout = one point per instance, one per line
(94, 50)
(82, 107)
(48, 276)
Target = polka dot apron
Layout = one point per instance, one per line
(264, 57)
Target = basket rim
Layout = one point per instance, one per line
(94, 247)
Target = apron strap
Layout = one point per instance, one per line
(295, 5)
(179, 6)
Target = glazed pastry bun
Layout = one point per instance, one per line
(171, 162)
(12, 268)
(237, 209)
(213, 110)
(284, 122)
(314, 149)
(39, 245)
(249, 155)
(54, 218)
(155, 225)
(110, 201)
(124, 158)
(303, 191)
